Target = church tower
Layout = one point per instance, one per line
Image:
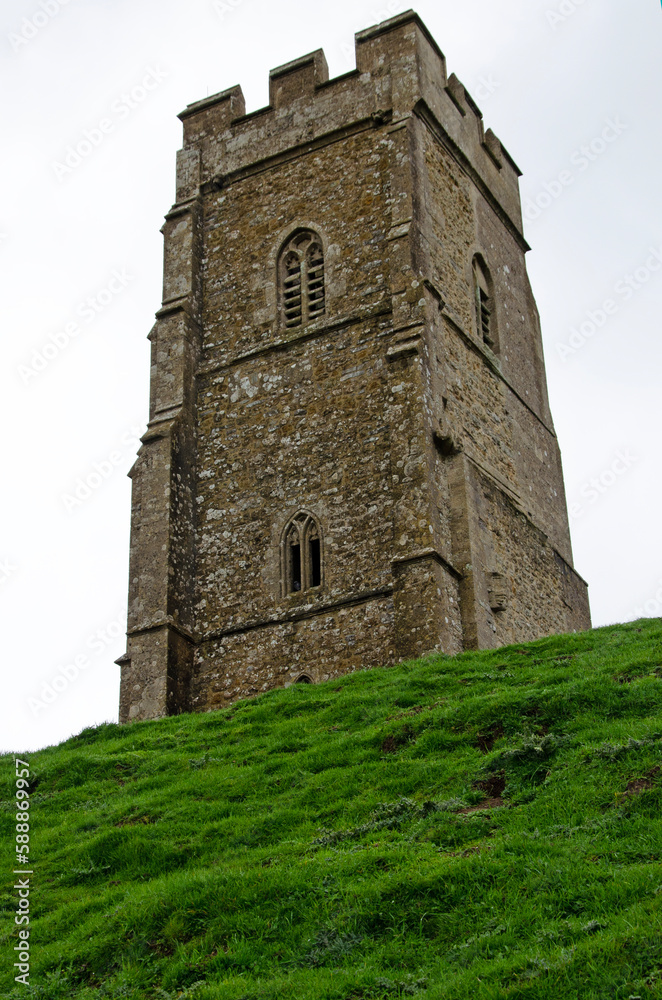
(350, 457)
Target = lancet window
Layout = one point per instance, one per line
(301, 554)
(302, 279)
(485, 316)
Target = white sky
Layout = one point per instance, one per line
(546, 89)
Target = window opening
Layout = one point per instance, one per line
(302, 278)
(484, 303)
(485, 311)
(315, 563)
(292, 290)
(296, 567)
(316, 294)
(301, 554)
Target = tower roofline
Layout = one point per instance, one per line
(233, 95)
(401, 72)
(317, 59)
(407, 17)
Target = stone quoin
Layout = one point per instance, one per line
(350, 457)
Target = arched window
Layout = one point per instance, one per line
(304, 679)
(485, 313)
(301, 554)
(301, 279)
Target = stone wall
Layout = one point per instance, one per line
(302, 429)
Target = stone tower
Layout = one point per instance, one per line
(350, 457)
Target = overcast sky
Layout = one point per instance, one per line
(573, 91)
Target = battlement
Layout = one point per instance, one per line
(400, 73)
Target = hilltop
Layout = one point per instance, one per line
(484, 826)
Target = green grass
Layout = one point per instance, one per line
(315, 843)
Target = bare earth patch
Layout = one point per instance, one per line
(639, 785)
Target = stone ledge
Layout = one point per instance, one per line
(157, 626)
(309, 332)
(220, 181)
(423, 554)
(303, 615)
(404, 349)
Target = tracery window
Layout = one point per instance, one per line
(301, 276)
(486, 320)
(301, 554)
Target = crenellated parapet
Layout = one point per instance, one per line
(400, 72)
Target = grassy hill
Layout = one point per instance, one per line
(486, 826)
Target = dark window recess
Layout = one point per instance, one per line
(316, 294)
(296, 567)
(315, 563)
(486, 315)
(301, 555)
(485, 312)
(292, 301)
(304, 679)
(302, 281)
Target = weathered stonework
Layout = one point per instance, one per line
(350, 457)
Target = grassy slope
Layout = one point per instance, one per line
(312, 843)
